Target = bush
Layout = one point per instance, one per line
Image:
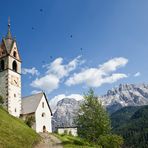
(1, 100)
(30, 120)
(110, 141)
(65, 132)
(70, 133)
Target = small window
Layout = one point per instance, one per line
(14, 54)
(14, 66)
(42, 104)
(2, 65)
(43, 114)
(15, 110)
(15, 95)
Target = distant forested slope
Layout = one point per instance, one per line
(132, 124)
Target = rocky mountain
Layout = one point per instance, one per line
(125, 95)
(115, 99)
(65, 112)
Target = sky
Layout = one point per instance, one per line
(68, 46)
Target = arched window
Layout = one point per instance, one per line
(14, 54)
(14, 66)
(2, 66)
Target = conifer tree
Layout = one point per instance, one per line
(94, 123)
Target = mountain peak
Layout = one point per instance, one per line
(125, 95)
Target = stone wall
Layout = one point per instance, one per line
(4, 86)
(67, 130)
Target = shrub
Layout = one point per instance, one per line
(110, 141)
(1, 100)
(30, 120)
(70, 133)
(65, 132)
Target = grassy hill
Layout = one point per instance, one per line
(14, 133)
(132, 124)
(69, 141)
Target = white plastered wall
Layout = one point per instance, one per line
(14, 94)
(43, 121)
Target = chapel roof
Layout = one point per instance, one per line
(30, 103)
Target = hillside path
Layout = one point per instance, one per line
(49, 141)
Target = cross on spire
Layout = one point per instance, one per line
(8, 36)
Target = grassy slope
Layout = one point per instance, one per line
(14, 133)
(74, 142)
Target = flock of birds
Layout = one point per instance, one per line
(71, 36)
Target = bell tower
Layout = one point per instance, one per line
(10, 74)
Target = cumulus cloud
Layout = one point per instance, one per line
(95, 77)
(33, 71)
(137, 74)
(60, 70)
(54, 73)
(46, 83)
(113, 64)
(35, 92)
(53, 102)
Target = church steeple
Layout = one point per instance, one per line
(10, 74)
(9, 36)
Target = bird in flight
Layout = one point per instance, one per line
(41, 10)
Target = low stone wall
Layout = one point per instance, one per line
(67, 130)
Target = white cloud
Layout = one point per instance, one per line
(60, 70)
(47, 83)
(55, 72)
(113, 64)
(137, 74)
(33, 71)
(35, 92)
(95, 77)
(53, 102)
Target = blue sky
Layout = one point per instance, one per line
(87, 33)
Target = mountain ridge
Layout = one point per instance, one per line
(113, 100)
(125, 95)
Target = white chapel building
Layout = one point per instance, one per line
(37, 105)
(10, 88)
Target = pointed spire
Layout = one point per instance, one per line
(8, 36)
